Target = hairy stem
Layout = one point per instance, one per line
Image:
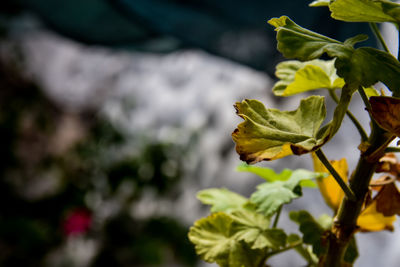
(346, 189)
(357, 124)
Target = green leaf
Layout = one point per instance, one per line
(368, 66)
(268, 134)
(215, 241)
(351, 253)
(221, 199)
(297, 77)
(252, 228)
(270, 196)
(267, 174)
(306, 253)
(370, 91)
(364, 66)
(365, 11)
(240, 238)
(325, 221)
(311, 230)
(297, 42)
(317, 3)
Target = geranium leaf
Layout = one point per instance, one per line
(215, 241)
(252, 228)
(270, 196)
(329, 188)
(364, 66)
(311, 230)
(320, 3)
(367, 66)
(297, 42)
(268, 134)
(370, 220)
(221, 199)
(297, 77)
(386, 112)
(267, 174)
(365, 10)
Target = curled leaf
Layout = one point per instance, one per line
(389, 163)
(320, 3)
(377, 184)
(268, 134)
(388, 200)
(386, 112)
(297, 77)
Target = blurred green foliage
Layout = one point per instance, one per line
(31, 220)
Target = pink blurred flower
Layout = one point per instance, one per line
(77, 222)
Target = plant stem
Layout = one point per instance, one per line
(392, 149)
(346, 189)
(364, 97)
(276, 219)
(345, 223)
(378, 35)
(364, 136)
(294, 245)
(398, 42)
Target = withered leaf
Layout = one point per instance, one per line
(388, 200)
(386, 112)
(389, 163)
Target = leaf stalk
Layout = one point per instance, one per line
(357, 124)
(378, 35)
(346, 189)
(276, 219)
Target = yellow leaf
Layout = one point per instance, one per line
(328, 186)
(370, 220)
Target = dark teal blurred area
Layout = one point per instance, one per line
(236, 30)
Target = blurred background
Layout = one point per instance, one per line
(114, 113)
